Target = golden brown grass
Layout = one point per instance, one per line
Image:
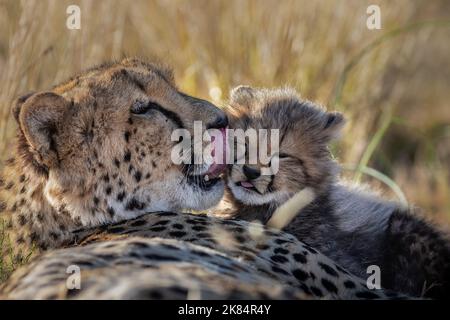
(393, 86)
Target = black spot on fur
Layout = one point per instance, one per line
(280, 251)
(201, 254)
(204, 235)
(279, 270)
(108, 190)
(138, 223)
(111, 211)
(126, 136)
(316, 291)
(137, 176)
(329, 286)
(21, 220)
(279, 258)
(300, 274)
(300, 258)
(158, 257)
(198, 228)
(280, 241)
(167, 214)
(34, 236)
(96, 200)
(328, 269)
(177, 234)
(161, 223)
(127, 156)
(121, 196)
(134, 204)
(178, 226)
(117, 162)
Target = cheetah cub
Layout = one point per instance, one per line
(349, 224)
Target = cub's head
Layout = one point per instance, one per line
(102, 143)
(302, 158)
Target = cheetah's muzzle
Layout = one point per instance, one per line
(214, 173)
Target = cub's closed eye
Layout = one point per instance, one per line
(283, 155)
(141, 107)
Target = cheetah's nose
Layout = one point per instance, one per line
(220, 122)
(251, 173)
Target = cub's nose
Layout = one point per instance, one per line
(221, 121)
(251, 173)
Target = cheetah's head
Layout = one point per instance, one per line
(304, 132)
(102, 143)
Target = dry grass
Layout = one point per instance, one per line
(392, 86)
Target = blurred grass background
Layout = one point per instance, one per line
(392, 84)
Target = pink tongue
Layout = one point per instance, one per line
(219, 150)
(246, 184)
(219, 154)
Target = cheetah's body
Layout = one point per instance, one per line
(179, 255)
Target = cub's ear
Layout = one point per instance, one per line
(333, 123)
(38, 117)
(242, 100)
(243, 96)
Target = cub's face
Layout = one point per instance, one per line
(304, 131)
(102, 142)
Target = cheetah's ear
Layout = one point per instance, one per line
(38, 119)
(333, 123)
(18, 105)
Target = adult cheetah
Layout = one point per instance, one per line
(97, 149)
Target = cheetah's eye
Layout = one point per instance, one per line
(283, 155)
(142, 107)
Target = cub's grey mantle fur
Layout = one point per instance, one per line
(352, 226)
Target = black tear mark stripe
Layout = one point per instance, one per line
(154, 106)
(168, 114)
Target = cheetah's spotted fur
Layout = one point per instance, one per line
(131, 255)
